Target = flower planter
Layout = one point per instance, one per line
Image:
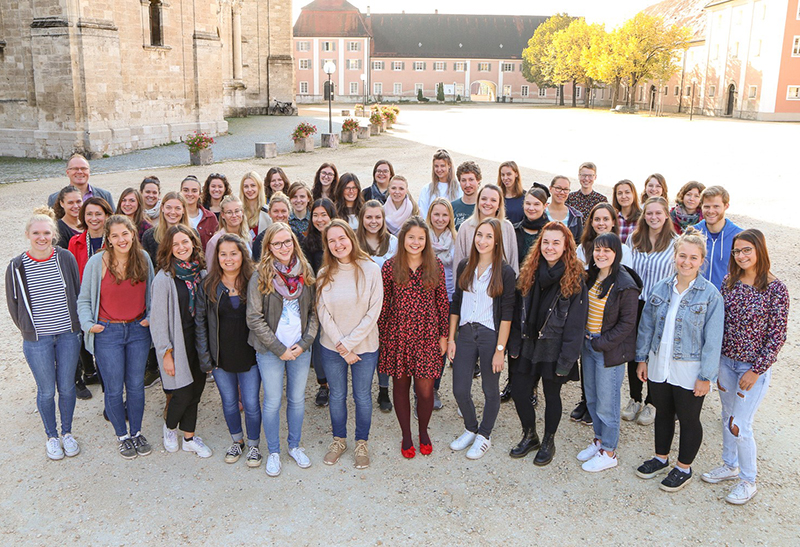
(363, 132)
(202, 157)
(388, 124)
(374, 129)
(349, 136)
(305, 144)
(383, 126)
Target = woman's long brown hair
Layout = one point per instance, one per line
(330, 264)
(589, 234)
(138, 216)
(430, 268)
(165, 257)
(383, 233)
(759, 243)
(574, 272)
(468, 275)
(136, 268)
(640, 238)
(215, 270)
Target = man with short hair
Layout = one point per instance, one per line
(585, 198)
(150, 188)
(469, 176)
(78, 173)
(719, 232)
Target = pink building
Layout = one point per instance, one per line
(390, 57)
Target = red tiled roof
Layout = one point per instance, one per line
(687, 13)
(330, 18)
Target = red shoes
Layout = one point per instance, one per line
(410, 452)
(425, 449)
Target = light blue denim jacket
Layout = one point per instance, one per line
(698, 330)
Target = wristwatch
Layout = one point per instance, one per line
(500, 347)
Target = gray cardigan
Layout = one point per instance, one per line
(89, 299)
(264, 315)
(166, 330)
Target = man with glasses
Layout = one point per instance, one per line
(560, 211)
(78, 173)
(719, 232)
(584, 198)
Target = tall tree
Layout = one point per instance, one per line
(563, 56)
(605, 63)
(534, 56)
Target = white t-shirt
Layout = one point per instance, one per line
(390, 252)
(195, 221)
(289, 330)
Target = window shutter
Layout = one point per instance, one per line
(402, 65)
(489, 66)
(424, 65)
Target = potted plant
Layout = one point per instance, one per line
(375, 122)
(199, 145)
(389, 117)
(303, 137)
(349, 130)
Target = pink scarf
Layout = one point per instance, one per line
(395, 217)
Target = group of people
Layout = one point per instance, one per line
(256, 288)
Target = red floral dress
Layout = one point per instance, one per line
(411, 322)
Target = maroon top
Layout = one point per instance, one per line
(123, 302)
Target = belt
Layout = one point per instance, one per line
(137, 320)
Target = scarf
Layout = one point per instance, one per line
(442, 246)
(546, 286)
(189, 273)
(153, 213)
(396, 217)
(288, 281)
(535, 225)
(684, 219)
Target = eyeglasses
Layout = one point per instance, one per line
(586, 176)
(326, 175)
(559, 190)
(382, 171)
(230, 213)
(81, 169)
(282, 244)
(745, 251)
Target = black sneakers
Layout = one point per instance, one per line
(651, 468)
(384, 403)
(322, 396)
(676, 480)
(151, 378)
(127, 449)
(81, 391)
(579, 411)
(141, 445)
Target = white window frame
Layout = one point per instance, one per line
(397, 89)
(303, 88)
(793, 93)
(712, 91)
(507, 67)
(304, 64)
(578, 91)
(353, 46)
(417, 87)
(327, 45)
(377, 88)
(354, 88)
(525, 91)
(397, 66)
(460, 89)
(378, 65)
(484, 67)
(439, 66)
(752, 92)
(542, 92)
(796, 46)
(419, 66)
(460, 66)
(677, 90)
(354, 64)
(506, 90)
(303, 45)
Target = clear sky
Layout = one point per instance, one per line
(596, 11)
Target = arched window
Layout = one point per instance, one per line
(156, 29)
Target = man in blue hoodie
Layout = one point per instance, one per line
(719, 232)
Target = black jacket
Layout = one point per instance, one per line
(617, 338)
(503, 307)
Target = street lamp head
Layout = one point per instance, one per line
(363, 77)
(329, 68)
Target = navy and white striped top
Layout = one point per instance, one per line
(652, 267)
(48, 296)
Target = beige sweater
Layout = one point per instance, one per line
(466, 234)
(349, 314)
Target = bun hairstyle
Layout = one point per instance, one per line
(692, 236)
(44, 214)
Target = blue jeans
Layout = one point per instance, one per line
(53, 360)
(362, 373)
(121, 354)
(738, 408)
(230, 385)
(272, 370)
(603, 385)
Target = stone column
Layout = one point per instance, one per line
(237, 40)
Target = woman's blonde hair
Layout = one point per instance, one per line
(252, 208)
(451, 225)
(44, 214)
(692, 236)
(501, 209)
(160, 231)
(330, 264)
(279, 197)
(266, 266)
(414, 206)
(383, 234)
(640, 238)
(244, 229)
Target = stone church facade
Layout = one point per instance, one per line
(105, 77)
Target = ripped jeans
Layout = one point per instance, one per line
(738, 409)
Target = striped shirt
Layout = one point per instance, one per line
(48, 296)
(476, 305)
(597, 305)
(652, 267)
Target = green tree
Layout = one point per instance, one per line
(562, 60)
(440, 92)
(534, 67)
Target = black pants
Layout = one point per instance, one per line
(521, 389)
(182, 408)
(476, 343)
(670, 400)
(634, 383)
(86, 366)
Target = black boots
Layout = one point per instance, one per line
(529, 443)
(384, 403)
(547, 451)
(505, 395)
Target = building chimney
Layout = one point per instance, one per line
(368, 14)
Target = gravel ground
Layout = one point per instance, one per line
(98, 498)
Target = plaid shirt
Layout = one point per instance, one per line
(625, 228)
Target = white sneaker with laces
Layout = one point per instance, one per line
(720, 474)
(647, 416)
(299, 455)
(54, 451)
(600, 462)
(274, 464)
(170, 439)
(742, 493)
(197, 446)
(589, 452)
(631, 410)
(71, 447)
(478, 448)
(466, 439)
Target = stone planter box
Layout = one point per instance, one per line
(363, 132)
(388, 124)
(349, 136)
(304, 145)
(374, 129)
(329, 140)
(202, 157)
(383, 126)
(266, 150)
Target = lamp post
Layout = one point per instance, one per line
(364, 84)
(329, 140)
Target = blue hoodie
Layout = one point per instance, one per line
(718, 252)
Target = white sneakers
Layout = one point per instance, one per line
(274, 464)
(721, 473)
(647, 416)
(197, 446)
(631, 410)
(599, 462)
(54, 451)
(589, 452)
(478, 448)
(299, 455)
(170, 439)
(466, 439)
(742, 493)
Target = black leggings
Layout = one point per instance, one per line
(182, 409)
(635, 385)
(670, 400)
(521, 389)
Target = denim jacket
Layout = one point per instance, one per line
(698, 329)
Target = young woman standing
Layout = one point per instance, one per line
(652, 250)
(655, 187)
(92, 217)
(300, 217)
(68, 209)
(171, 213)
(251, 192)
(443, 182)
(173, 328)
(215, 189)
(150, 188)
(114, 308)
(481, 312)
(42, 286)
(756, 315)
(382, 173)
(276, 181)
(283, 324)
(687, 211)
(443, 237)
(678, 349)
(349, 200)
(349, 299)
(610, 342)
(131, 205)
(413, 328)
(325, 181)
(509, 179)
(560, 211)
(278, 209)
(200, 218)
(222, 334)
(400, 206)
(231, 222)
(626, 203)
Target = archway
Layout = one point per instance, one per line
(731, 100)
(483, 90)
